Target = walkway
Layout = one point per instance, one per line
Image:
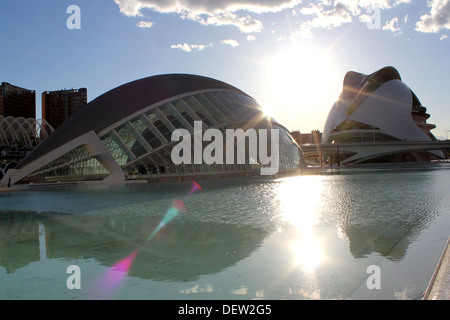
(439, 287)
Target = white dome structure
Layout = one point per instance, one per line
(126, 133)
(379, 108)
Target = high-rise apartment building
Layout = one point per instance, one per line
(17, 102)
(58, 106)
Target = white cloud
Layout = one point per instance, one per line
(392, 26)
(335, 13)
(230, 42)
(359, 6)
(324, 18)
(200, 47)
(312, 14)
(365, 18)
(135, 7)
(245, 24)
(144, 24)
(251, 37)
(439, 17)
(189, 47)
(304, 31)
(210, 12)
(335, 17)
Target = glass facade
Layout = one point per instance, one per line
(141, 144)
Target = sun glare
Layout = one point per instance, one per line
(300, 199)
(298, 79)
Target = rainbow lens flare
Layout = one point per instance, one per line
(115, 275)
(195, 187)
(176, 208)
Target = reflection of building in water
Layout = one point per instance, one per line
(365, 240)
(19, 240)
(180, 251)
(42, 242)
(375, 219)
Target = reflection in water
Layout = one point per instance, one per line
(309, 236)
(42, 243)
(183, 251)
(383, 213)
(374, 212)
(300, 205)
(114, 276)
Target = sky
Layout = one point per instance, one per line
(290, 55)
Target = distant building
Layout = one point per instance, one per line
(17, 102)
(379, 109)
(58, 106)
(303, 138)
(313, 138)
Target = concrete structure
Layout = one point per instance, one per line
(23, 134)
(126, 133)
(18, 136)
(17, 102)
(357, 153)
(58, 106)
(439, 286)
(375, 109)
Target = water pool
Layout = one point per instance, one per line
(311, 236)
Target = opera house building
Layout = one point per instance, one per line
(126, 133)
(384, 117)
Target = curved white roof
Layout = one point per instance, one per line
(381, 101)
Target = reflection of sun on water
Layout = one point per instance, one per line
(307, 253)
(300, 199)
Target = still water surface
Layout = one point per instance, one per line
(302, 237)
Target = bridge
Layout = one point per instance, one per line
(359, 152)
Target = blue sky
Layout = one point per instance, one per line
(290, 55)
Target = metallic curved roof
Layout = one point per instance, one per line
(360, 86)
(121, 102)
(355, 82)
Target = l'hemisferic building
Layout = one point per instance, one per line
(126, 133)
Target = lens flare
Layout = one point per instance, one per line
(176, 208)
(106, 285)
(195, 187)
(125, 264)
(115, 275)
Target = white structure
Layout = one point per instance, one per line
(379, 108)
(18, 136)
(23, 134)
(126, 133)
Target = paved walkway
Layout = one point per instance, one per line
(439, 287)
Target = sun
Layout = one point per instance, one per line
(298, 77)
